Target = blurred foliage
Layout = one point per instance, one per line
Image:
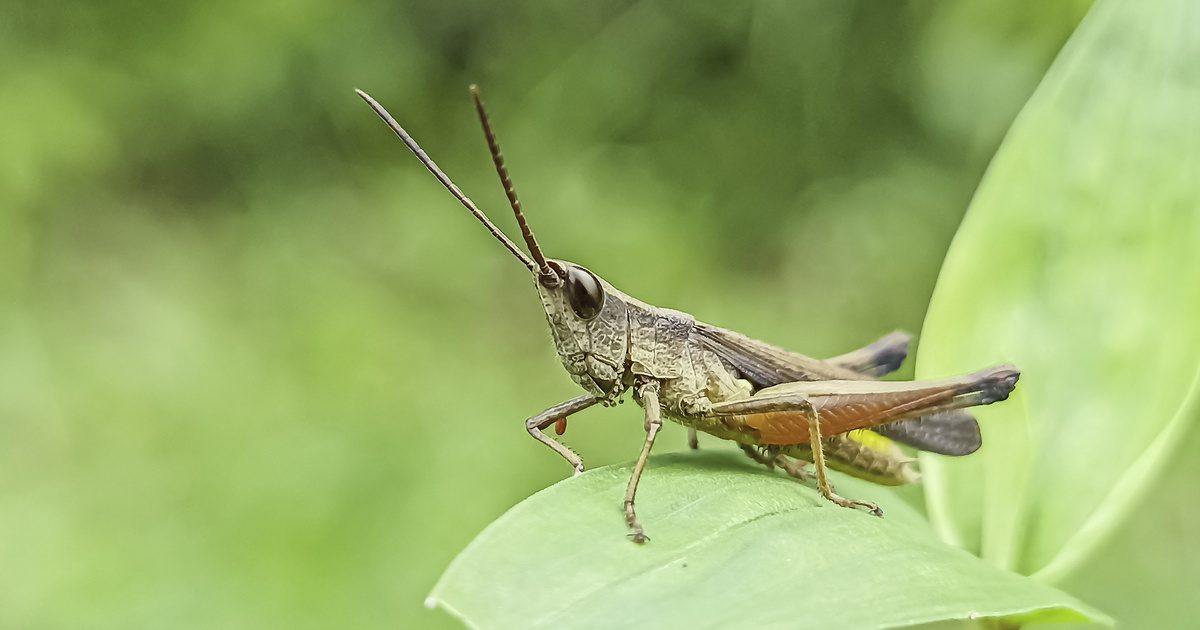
(1093, 184)
(1089, 211)
(257, 369)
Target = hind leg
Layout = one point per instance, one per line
(771, 457)
(823, 484)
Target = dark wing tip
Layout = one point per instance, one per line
(890, 352)
(953, 433)
(996, 384)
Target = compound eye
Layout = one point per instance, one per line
(584, 292)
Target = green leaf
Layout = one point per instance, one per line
(732, 545)
(1078, 260)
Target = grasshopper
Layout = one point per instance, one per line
(783, 409)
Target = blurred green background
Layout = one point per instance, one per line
(258, 369)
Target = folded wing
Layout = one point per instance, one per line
(764, 365)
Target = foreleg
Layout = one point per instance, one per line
(538, 423)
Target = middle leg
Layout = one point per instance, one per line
(648, 394)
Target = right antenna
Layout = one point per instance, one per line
(498, 160)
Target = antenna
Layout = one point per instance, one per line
(454, 190)
(498, 160)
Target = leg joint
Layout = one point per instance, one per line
(646, 386)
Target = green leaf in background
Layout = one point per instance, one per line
(732, 545)
(1078, 261)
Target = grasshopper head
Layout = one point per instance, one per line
(587, 316)
(588, 320)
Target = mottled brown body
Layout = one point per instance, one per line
(781, 407)
(629, 339)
